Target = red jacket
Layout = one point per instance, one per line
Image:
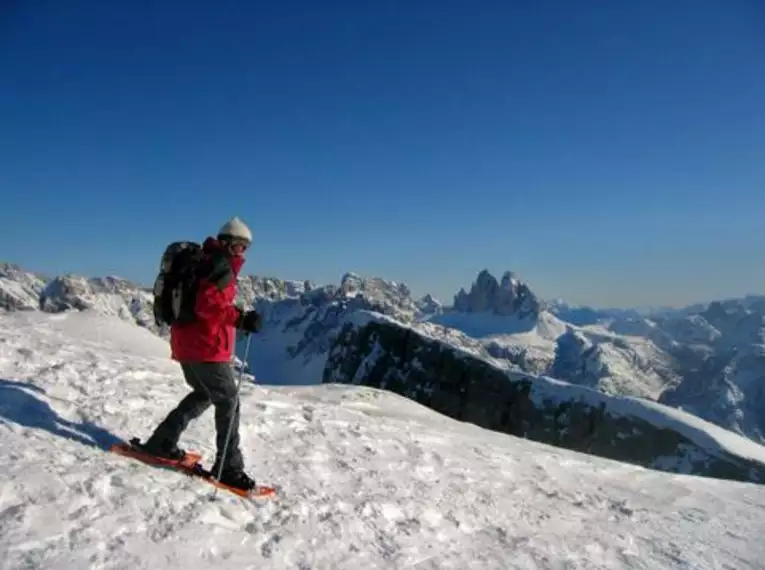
(211, 338)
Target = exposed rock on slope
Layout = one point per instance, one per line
(19, 289)
(386, 297)
(384, 354)
(105, 295)
(252, 288)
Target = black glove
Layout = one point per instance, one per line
(249, 321)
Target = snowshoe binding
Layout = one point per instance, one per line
(171, 452)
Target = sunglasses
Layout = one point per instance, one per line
(238, 246)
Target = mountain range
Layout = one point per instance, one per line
(569, 374)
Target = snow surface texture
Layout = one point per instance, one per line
(366, 479)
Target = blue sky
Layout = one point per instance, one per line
(611, 153)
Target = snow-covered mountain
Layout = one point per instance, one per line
(251, 287)
(19, 289)
(583, 315)
(717, 353)
(298, 332)
(725, 383)
(366, 478)
(664, 358)
(428, 305)
(514, 325)
(106, 295)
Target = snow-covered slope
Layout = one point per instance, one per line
(612, 364)
(19, 289)
(582, 315)
(367, 479)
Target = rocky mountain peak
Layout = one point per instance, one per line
(429, 305)
(387, 297)
(253, 287)
(509, 296)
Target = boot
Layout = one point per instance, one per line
(236, 478)
(164, 450)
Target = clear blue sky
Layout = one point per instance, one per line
(611, 153)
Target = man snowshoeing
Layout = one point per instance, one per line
(204, 349)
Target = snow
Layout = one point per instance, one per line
(17, 292)
(630, 366)
(19, 289)
(482, 325)
(366, 479)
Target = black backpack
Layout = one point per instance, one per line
(176, 284)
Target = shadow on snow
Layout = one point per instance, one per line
(19, 405)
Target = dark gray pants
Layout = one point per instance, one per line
(213, 384)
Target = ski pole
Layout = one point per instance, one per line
(236, 411)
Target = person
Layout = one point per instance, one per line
(204, 349)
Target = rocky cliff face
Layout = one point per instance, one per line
(510, 296)
(384, 354)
